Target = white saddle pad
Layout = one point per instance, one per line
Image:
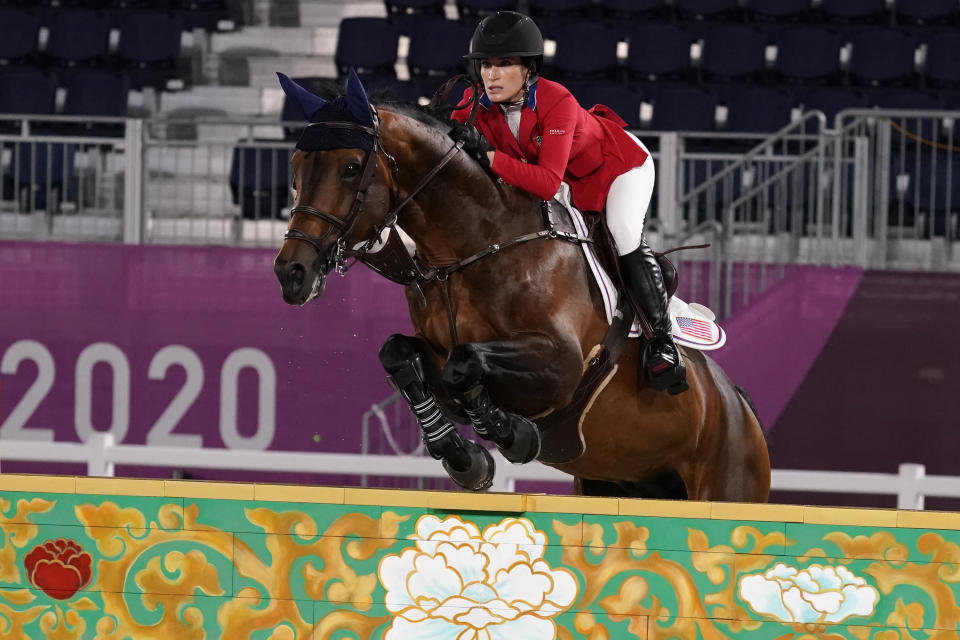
(694, 325)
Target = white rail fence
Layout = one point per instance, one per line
(910, 484)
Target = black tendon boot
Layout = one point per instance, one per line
(662, 363)
(517, 437)
(467, 463)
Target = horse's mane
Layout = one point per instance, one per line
(417, 112)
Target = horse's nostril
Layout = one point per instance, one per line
(296, 273)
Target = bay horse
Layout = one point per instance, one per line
(506, 316)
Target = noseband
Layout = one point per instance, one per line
(336, 260)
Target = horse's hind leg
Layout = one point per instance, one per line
(526, 366)
(468, 464)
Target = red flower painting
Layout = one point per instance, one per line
(59, 568)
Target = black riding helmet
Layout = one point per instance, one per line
(506, 34)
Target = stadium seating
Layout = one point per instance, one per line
(27, 91)
(149, 47)
(882, 57)
(831, 100)
(682, 108)
(927, 12)
(659, 52)
(585, 51)
(808, 55)
(40, 174)
(625, 102)
(436, 51)
(855, 11)
(550, 15)
(367, 45)
(754, 109)
(472, 11)
(943, 51)
(19, 34)
(407, 13)
(733, 53)
(77, 38)
(711, 10)
(778, 10)
(260, 181)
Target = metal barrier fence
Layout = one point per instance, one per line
(878, 190)
(910, 484)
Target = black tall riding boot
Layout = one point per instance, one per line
(662, 363)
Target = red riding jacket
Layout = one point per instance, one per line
(558, 140)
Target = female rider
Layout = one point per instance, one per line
(540, 135)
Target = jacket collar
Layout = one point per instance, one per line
(486, 103)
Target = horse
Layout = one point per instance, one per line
(506, 317)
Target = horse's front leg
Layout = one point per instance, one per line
(531, 372)
(467, 463)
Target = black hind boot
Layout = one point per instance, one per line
(662, 363)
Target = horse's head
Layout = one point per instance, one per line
(342, 182)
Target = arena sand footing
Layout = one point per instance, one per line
(111, 558)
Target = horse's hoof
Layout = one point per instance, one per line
(479, 475)
(526, 442)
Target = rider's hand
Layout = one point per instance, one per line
(474, 144)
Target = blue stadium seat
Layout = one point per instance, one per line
(855, 11)
(903, 99)
(260, 181)
(436, 50)
(149, 47)
(625, 14)
(19, 33)
(711, 10)
(758, 109)
(406, 13)
(78, 38)
(927, 12)
(832, 100)
(943, 51)
(27, 91)
(624, 101)
(585, 51)
(683, 108)
(732, 53)
(659, 52)
(779, 10)
(808, 55)
(882, 57)
(553, 14)
(96, 92)
(472, 11)
(41, 174)
(368, 45)
(203, 14)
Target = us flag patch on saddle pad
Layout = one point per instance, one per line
(695, 326)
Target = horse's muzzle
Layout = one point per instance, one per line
(298, 283)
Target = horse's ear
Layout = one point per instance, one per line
(357, 100)
(307, 102)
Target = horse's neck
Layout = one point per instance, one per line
(461, 210)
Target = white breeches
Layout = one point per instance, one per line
(627, 203)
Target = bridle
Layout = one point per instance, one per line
(336, 260)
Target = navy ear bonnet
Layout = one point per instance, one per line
(346, 122)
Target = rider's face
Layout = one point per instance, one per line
(503, 78)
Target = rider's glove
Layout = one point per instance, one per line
(474, 144)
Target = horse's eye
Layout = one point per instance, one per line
(350, 170)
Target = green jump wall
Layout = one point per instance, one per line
(113, 559)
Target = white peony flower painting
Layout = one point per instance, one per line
(822, 594)
(459, 583)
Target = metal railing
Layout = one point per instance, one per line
(101, 453)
